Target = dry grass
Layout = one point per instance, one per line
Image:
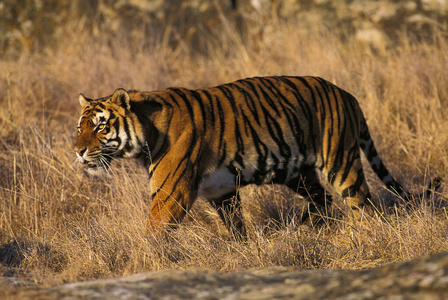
(64, 226)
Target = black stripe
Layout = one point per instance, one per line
(272, 85)
(305, 108)
(276, 133)
(160, 186)
(352, 190)
(199, 100)
(223, 156)
(222, 123)
(261, 148)
(187, 103)
(266, 97)
(229, 96)
(329, 129)
(249, 100)
(151, 97)
(351, 156)
(172, 98)
(212, 107)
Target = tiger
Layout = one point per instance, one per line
(297, 131)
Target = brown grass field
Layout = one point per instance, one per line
(59, 225)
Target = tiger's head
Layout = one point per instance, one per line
(104, 131)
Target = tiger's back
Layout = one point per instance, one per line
(206, 142)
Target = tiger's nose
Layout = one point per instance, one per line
(80, 151)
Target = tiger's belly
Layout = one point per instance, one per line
(228, 177)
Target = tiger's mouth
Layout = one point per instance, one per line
(97, 166)
(92, 165)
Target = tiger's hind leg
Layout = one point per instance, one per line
(349, 181)
(229, 209)
(309, 186)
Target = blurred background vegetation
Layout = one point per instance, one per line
(29, 26)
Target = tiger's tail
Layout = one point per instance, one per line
(368, 147)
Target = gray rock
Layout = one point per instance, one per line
(425, 278)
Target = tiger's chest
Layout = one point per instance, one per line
(228, 177)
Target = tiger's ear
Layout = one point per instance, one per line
(83, 100)
(121, 97)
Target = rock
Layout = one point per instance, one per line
(425, 278)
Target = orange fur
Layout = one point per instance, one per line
(257, 130)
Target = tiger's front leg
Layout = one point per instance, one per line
(173, 193)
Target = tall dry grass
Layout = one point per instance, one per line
(65, 226)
